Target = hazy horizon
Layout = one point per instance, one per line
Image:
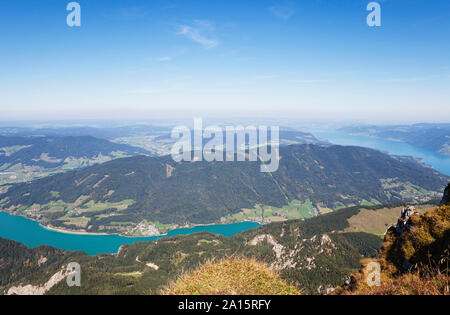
(314, 61)
(283, 123)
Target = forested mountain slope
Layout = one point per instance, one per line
(157, 192)
(314, 255)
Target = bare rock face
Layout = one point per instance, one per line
(405, 223)
(277, 248)
(39, 289)
(446, 197)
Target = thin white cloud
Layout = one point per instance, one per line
(284, 12)
(195, 33)
(165, 58)
(174, 53)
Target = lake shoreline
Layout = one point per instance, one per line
(426, 157)
(63, 231)
(86, 233)
(33, 234)
(189, 226)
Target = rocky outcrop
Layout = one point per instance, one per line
(277, 248)
(446, 197)
(301, 254)
(404, 223)
(42, 260)
(37, 289)
(152, 265)
(412, 258)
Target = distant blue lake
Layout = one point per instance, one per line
(31, 234)
(439, 162)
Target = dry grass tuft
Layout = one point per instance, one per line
(413, 283)
(230, 276)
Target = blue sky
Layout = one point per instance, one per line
(305, 59)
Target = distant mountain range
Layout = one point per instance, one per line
(156, 140)
(435, 137)
(145, 195)
(102, 132)
(31, 150)
(160, 133)
(28, 153)
(24, 158)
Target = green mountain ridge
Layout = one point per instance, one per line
(315, 255)
(117, 196)
(27, 158)
(58, 149)
(154, 139)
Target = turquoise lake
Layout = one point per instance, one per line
(439, 162)
(31, 234)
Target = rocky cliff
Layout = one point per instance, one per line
(446, 197)
(413, 258)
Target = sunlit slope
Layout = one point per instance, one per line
(116, 196)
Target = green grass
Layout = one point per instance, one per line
(163, 228)
(377, 221)
(121, 223)
(207, 242)
(266, 214)
(367, 203)
(8, 151)
(55, 194)
(136, 274)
